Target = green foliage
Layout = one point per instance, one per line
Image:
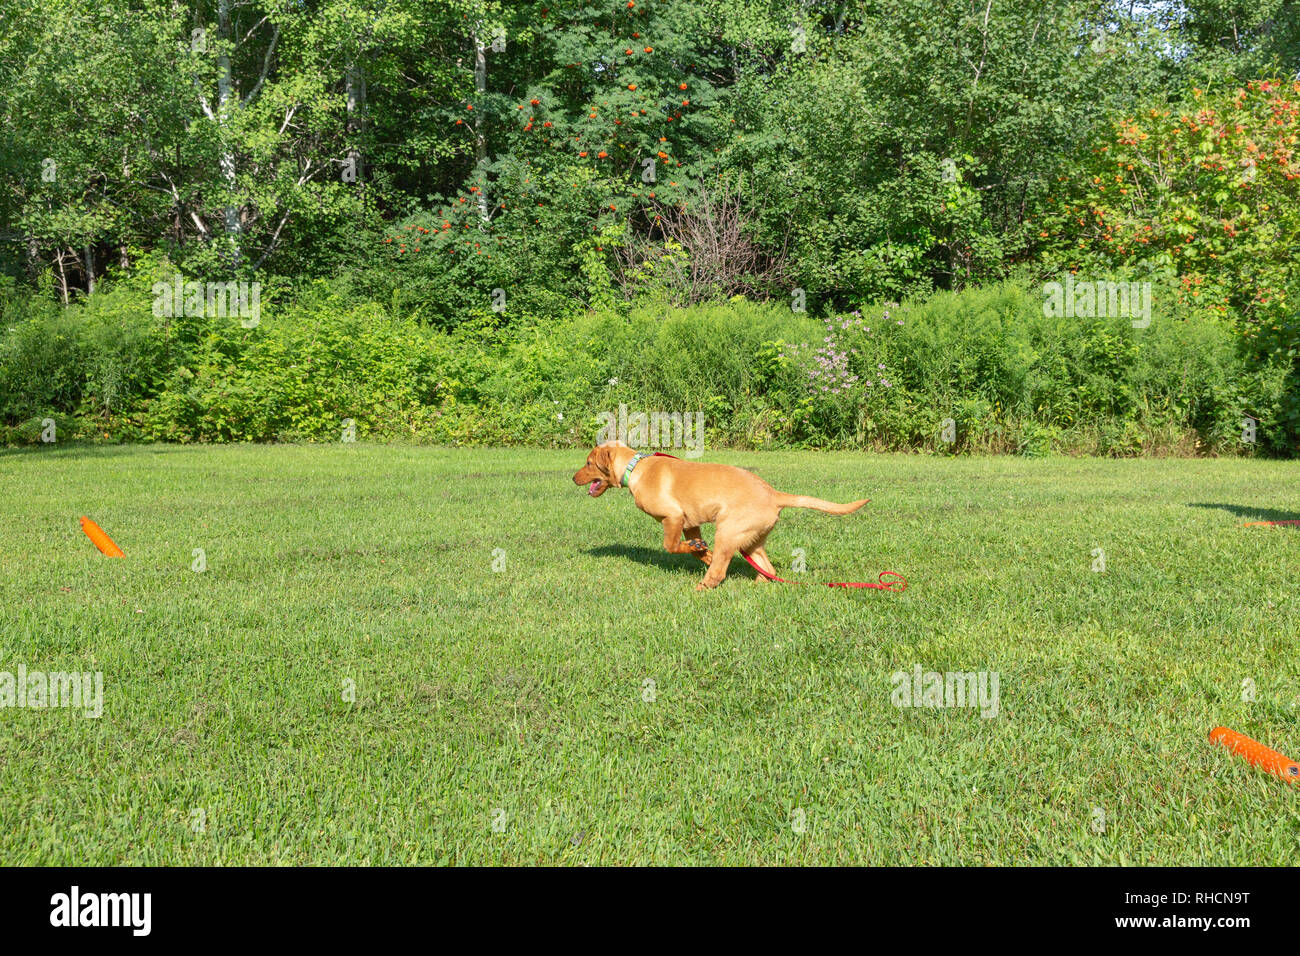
(1208, 195)
(1210, 192)
(42, 367)
(301, 374)
(1010, 376)
(901, 151)
(883, 148)
(472, 174)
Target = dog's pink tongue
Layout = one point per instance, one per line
(591, 488)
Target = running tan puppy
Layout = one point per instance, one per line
(683, 495)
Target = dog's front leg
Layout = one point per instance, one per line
(695, 542)
(674, 544)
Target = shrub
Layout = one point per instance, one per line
(1010, 376)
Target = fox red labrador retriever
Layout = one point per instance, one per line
(683, 495)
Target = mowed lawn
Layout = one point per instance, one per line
(585, 705)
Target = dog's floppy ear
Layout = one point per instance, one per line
(603, 458)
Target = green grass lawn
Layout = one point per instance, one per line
(520, 697)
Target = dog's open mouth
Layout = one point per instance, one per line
(595, 488)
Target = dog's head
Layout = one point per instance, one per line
(600, 471)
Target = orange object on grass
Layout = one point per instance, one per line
(102, 541)
(1256, 754)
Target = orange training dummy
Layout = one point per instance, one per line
(102, 541)
(1256, 754)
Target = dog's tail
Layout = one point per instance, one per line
(830, 507)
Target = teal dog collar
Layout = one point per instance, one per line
(627, 472)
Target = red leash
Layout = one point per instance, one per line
(896, 582)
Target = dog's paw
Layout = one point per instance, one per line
(701, 549)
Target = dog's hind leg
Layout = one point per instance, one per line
(726, 543)
(722, 555)
(759, 554)
(744, 532)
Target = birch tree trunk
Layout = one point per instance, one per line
(225, 96)
(480, 138)
(356, 107)
(63, 276)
